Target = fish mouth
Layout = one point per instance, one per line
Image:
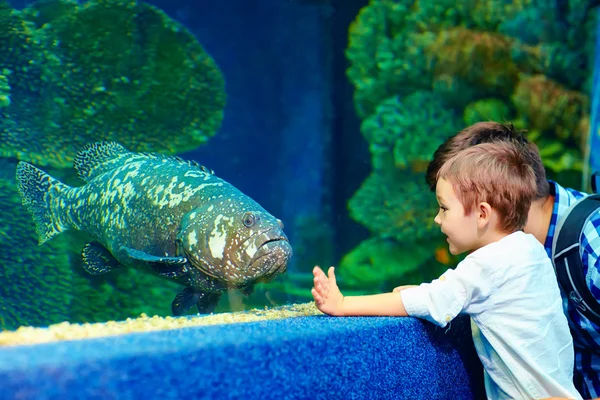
(271, 257)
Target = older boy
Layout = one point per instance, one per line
(552, 201)
(506, 284)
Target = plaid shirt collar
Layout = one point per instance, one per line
(563, 198)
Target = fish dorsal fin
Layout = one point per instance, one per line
(191, 163)
(96, 158)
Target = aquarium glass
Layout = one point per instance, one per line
(202, 156)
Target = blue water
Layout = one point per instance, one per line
(304, 130)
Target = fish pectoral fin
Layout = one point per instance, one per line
(206, 302)
(247, 290)
(169, 267)
(97, 259)
(184, 301)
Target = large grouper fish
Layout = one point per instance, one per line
(162, 214)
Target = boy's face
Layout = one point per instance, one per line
(461, 229)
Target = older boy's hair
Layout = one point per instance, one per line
(496, 173)
(487, 132)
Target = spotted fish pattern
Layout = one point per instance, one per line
(161, 214)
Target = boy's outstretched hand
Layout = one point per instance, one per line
(328, 297)
(330, 300)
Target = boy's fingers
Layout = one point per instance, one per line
(318, 272)
(319, 279)
(331, 274)
(320, 287)
(317, 286)
(317, 297)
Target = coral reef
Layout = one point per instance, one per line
(486, 110)
(4, 91)
(422, 70)
(377, 37)
(408, 129)
(477, 50)
(397, 206)
(549, 106)
(103, 70)
(42, 12)
(21, 82)
(482, 59)
(378, 265)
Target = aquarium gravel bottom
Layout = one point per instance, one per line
(68, 331)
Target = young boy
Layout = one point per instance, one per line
(551, 202)
(506, 284)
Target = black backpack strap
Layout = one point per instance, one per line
(595, 180)
(567, 259)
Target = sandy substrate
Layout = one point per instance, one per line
(68, 331)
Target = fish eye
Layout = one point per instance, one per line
(249, 220)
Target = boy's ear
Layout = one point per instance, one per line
(484, 214)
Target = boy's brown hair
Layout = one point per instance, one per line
(488, 132)
(497, 173)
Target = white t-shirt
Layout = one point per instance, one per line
(521, 335)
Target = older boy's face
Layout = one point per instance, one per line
(460, 229)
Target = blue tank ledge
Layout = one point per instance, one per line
(294, 358)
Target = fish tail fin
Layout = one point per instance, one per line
(37, 190)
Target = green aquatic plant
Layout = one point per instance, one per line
(21, 83)
(473, 51)
(118, 296)
(396, 205)
(520, 61)
(409, 129)
(388, 43)
(487, 110)
(4, 91)
(104, 70)
(483, 59)
(42, 12)
(378, 264)
(473, 14)
(381, 33)
(550, 107)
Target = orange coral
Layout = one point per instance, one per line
(549, 106)
(481, 58)
(442, 255)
